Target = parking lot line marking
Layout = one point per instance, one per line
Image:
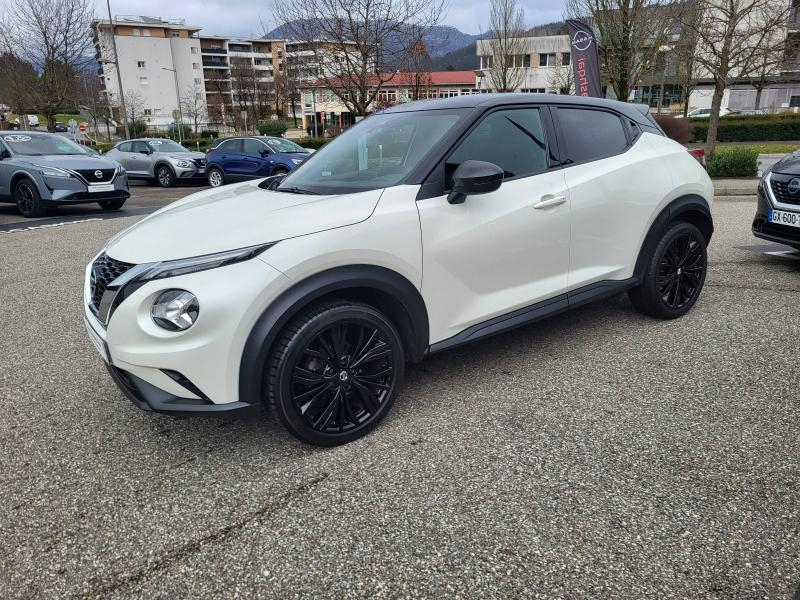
(20, 226)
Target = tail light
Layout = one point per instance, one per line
(699, 154)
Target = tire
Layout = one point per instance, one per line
(216, 178)
(29, 202)
(165, 177)
(335, 372)
(674, 275)
(111, 204)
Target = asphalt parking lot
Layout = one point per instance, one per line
(597, 454)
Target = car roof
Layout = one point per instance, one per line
(23, 132)
(635, 111)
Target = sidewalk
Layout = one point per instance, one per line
(735, 187)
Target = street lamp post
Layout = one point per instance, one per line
(178, 99)
(119, 76)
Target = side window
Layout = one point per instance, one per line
(140, 147)
(251, 146)
(231, 146)
(512, 139)
(591, 134)
(125, 147)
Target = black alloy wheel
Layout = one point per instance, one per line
(675, 273)
(165, 176)
(336, 373)
(28, 200)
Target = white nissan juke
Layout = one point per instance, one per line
(426, 226)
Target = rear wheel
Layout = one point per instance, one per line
(216, 177)
(111, 204)
(29, 202)
(675, 274)
(335, 372)
(164, 176)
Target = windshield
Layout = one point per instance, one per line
(379, 152)
(281, 145)
(166, 146)
(40, 145)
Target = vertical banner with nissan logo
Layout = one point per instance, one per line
(585, 63)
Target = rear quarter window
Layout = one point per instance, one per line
(591, 134)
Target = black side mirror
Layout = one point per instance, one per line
(265, 152)
(474, 177)
(4, 154)
(145, 152)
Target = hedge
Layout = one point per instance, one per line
(275, 128)
(315, 143)
(751, 129)
(733, 162)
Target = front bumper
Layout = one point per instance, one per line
(62, 190)
(774, 232)
(192, 172)
(196, 370)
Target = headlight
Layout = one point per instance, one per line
(184, 266)
(52, 171)
(121, 170)
(175, 310)
(297, 161)
(182, 163)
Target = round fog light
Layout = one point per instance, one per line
(175, 310)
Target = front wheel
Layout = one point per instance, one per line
(164, 176)
(29, 202)
(335, 372)
(111, 204)
(216, 177)
(279, 171)
(675, 274)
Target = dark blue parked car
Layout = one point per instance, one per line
(240, 158)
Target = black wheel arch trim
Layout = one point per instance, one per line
(354, 278)
(163, 163)
(690, 208)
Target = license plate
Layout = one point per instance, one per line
(98, 342)
(101, 187)
(201, 171)
(784, 217)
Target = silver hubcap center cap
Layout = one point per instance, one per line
(344, 376)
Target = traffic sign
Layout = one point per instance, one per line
(82, 127)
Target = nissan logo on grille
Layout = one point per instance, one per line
(98, 174)
(794, 186)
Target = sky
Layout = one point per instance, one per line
(242, 18)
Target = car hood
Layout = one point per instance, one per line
(232, 217)
(69, 161)
(789, 165)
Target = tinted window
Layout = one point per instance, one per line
(514, 140)
(125, 147)
(140, 147)
(252, 146)
(591, 134)
(231, 146)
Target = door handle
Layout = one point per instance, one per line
(549, 202)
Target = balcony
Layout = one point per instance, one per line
(214, 62)
(213, 50)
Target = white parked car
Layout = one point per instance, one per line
(705, 113)
(427, 226)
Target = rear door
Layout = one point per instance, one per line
(229, 157)
(140, 160)
(616, 180)
(254, 163)
(123, 155)
(502, 251)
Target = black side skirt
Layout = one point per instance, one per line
(536, 312)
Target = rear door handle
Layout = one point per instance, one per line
(549, 202)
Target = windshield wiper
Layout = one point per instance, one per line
(296, 190)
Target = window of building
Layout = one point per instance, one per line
(146, 32)
(547, 60)
(195, 50)
(512, 139)
(533, 90)
(176, 34)
(136, 31)
(140, 64)
(143, 81)
(195, 66)
(565, 58)
(592, 134)
(794, 101)
(198, 81)
(148, 112)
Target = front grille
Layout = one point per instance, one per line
(199, 162)
(104, 270)
(780, 189)
(90, 175)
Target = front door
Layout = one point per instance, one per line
(501, 251)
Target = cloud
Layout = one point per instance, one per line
(243, 18)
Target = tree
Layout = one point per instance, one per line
(768, 61)
(733, 37)
(193, 106)
(506, 46)
(17, 84)
(562, 79)
(630, 34)
(134, 103)
(418, 67)
(52, 36)
(683, 46)
(357, 44)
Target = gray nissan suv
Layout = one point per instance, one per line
(159, 159)
(38, 170)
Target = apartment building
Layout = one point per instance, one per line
(158, 61)
(543, 60)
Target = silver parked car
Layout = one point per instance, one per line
(161, 160)
(38, 170)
